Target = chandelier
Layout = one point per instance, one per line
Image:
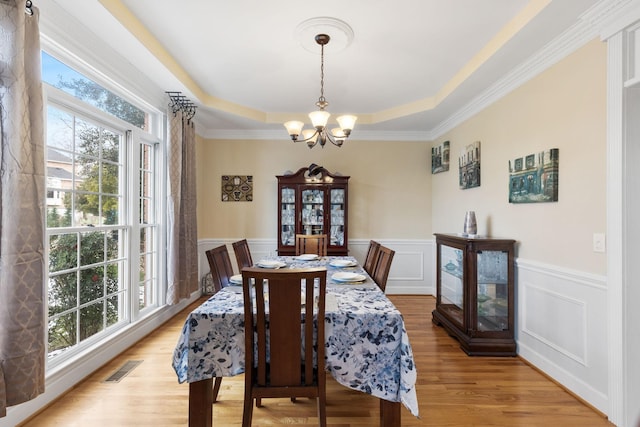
(320, 117)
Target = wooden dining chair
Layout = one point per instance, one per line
(243, 254)
(311, 244)
(289, 357)
(382, 266)
(371, 258)
(220, 265)
(221, 271)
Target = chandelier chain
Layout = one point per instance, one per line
(322, 102)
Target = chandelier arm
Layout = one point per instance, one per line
(317, 132)
(336, 142)
(327, 135)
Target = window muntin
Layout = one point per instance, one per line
(85, 168)
(148, 226)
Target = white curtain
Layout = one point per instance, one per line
(182, 237)
(22, 195)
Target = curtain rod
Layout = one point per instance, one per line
(27, 8)
(179, 102)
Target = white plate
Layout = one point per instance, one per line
(236, 280)
(348, 277)
(343, 263)
(266, 263)
(307, 257)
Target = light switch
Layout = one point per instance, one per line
(599, 242)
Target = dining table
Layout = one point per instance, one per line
(367, 345)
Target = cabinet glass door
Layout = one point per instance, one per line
(493, 291)
(337, 216)
(288, 216)
(312, 211)
(452, 283)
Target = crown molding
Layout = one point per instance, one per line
(587, 29)
(274, 135)
(612, 16)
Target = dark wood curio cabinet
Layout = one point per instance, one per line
(474, 293)
(312, 201)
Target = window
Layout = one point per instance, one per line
(102, 204)
(147, 288)
(65, 78)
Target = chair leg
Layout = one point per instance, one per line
(258, 402)
(322, 399)
(322, 411)
(216, 388)
(247, 412)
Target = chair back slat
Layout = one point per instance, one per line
(243, 254)
(372, 257)
(382, 266)
(311, 244)
(284, 324)
(220, 266)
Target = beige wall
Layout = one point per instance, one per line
(565, 108)
(389, 188)
(393, 195)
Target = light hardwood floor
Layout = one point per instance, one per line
(453, 390)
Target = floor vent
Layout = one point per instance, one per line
(123, 372)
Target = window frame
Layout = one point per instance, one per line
(133, 139)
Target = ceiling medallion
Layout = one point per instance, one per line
(340, 33)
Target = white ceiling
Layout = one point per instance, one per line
(412, 64)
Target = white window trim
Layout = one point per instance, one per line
(67, 102)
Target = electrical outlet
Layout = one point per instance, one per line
(599, 242)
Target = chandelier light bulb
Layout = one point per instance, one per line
(294, 127)
(319, 119)
(346, 123)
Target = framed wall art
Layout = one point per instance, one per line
(534, 178)
(440, 158)
(469, 166)
(237, 188)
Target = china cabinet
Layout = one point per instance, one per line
(474, 293)
(312, 201)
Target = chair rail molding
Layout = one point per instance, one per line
(412, 270)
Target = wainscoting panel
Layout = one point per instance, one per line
(412, 269)
(562, 327)
(567, 315)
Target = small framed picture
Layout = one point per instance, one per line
(538, 181)
(440, 158)
(237, 188)
(469, 166)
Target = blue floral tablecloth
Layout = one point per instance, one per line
(367, 346)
